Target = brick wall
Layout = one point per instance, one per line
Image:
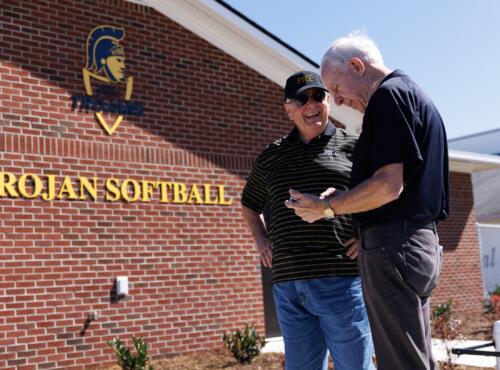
(192, 269)
(461, 278)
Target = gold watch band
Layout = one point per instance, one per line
(328, 211)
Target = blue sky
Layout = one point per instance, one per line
(451, 48)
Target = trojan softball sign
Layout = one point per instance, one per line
(108, 89)
(54, 188)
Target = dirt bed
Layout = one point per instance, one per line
(474, 325)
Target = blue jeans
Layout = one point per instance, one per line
(317, 315)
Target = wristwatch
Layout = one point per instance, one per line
(328, 211)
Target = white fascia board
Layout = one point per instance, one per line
(233, 35)
(494, 224)
(482, 142)
(225, 30)
(469, 162)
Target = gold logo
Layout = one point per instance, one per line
(105, 64)
(305, 79)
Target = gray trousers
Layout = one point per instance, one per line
(399, 264)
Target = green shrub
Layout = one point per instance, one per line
(495, 291)
(488, 308)
(244, 344)
(442, 311)
(491, 305)
(132, 361)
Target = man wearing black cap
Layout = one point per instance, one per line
(316, 286)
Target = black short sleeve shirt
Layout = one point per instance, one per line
(402, 125)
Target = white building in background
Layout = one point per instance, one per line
(487, 142)
(486, 183)
(486, 190)
(489, 245)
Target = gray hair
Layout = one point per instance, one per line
(355, 44)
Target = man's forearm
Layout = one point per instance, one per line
(254, 223)
(256, 226)
(383, 187)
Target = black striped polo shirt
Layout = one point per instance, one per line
(303, 250)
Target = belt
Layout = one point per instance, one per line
(403, 225)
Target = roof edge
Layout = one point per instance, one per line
(469, 162)
(476, 134)
(247, 42)
(223, 28)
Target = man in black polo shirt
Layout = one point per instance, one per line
(398, 191)
(316, 286)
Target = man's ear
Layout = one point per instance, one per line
(357, 65)
(328, 104)
(288, 111)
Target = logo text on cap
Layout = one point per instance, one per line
(306, 78)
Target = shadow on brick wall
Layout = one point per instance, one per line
(460, 227)
(195, 96)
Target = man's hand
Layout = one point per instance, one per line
(256, 226)
(265, 251)
(352, 245)
(307, 206)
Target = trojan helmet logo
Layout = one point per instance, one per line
(106, 63)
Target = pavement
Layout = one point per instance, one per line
(438, 349)
(274, 345)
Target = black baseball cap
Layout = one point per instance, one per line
(301, 81)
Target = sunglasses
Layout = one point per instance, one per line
(302, 99)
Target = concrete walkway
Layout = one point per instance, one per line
(438, 348)
(439, 351)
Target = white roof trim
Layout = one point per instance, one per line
(228, 32)
(468, 162)
(489, 221)
(225, 30)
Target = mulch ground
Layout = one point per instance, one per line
(474, 326)
(221, 360)
(214, 360)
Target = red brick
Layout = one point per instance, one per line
(59, 259)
